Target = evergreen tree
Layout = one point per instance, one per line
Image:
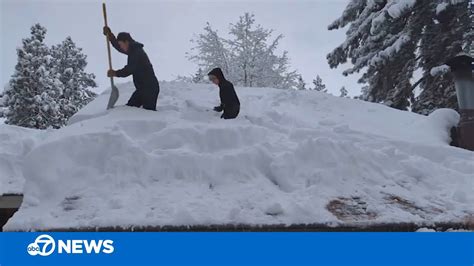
(319, 85)
(2, 104)
(469, 36)
(378, 39)
(33, 97)
(70, 64)
(248, 58)
(301, 85)
(383, 39)
(448, 26)
(343, 92)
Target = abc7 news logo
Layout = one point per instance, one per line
(47, 246)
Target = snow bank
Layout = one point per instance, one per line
(291, 157)
(15, 143)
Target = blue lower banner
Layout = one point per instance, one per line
(448, 249)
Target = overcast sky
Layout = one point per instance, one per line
(166, 27)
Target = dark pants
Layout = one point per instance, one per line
(145, 99)
(231, 112)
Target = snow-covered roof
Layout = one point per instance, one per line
(290, 157)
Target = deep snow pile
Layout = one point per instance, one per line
(15, 143)
(291, 157)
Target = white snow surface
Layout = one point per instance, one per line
(441, 7)
(286, 156)
(396, 8)
(15, 143)
(440, 70)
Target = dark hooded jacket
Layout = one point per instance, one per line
(144, 79)
(229, 99)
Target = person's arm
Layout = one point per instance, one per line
(222, 92)
(113, 40)
(130, 68)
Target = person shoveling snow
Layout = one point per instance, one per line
(146, 84)
(230, 103)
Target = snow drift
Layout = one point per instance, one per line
(15, 143)
(290, 157)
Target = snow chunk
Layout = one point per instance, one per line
(441, 7)
(399, 7)
(68, 71)
(425, 230)
(443, 120)
(440, 70)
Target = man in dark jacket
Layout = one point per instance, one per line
(230, 103)
(146, 84)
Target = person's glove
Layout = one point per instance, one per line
(218, 108)
(107, 31)
(111, 73)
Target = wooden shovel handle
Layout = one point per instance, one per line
(104, 11)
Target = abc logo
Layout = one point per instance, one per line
(44, 245)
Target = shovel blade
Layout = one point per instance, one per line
(114, 95)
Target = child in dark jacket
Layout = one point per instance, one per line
(230, 103)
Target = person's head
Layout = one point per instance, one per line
(124, 39)
(214, 79)
(216, 76)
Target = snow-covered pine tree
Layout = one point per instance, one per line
(319, 85)
(2, 104)
(343, 92)
(301, 85)
(70, 64)
(470, 34)
(383, 38)
(442, 39)
(210, 51)
(34, 90)
(248, 57)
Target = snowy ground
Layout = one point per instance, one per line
(291, 157)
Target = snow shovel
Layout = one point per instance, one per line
(114, 93)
